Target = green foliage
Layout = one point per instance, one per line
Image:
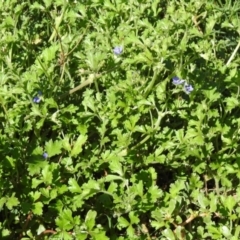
(100, 145)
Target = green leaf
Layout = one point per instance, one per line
(53, 193)
(90, 188)
(36, 182)
(157, 224)
(236, 234)
(155, 193)
(225, 231)
(36, 162)
(81, 236)
(67, 214)
(194, 136)
(116, 166)
(109, 5)
(112, 187)
(47, 3)
(231, 103)
(12, 202)
(9, 21)
(177, 187)
(110, 178)
(172, 206)
(130, 231)
(122, 222)
(202, 200)
(5, 233)
(133, 218)
(73, 186)
(229, 202)
(35, 195)
(65, 144)
(213, 202)
(62, 189)
(77, 202)
(63, 235)
(40, 229)
(139, 188)
(168, 233)
(77, 148)
(11, 161)
(214, 232)
(179, 232)
(90, 219)
(63, 224)
(99, 235)
(37, 208)
(53, 148)
(49, 54)
(47, 175)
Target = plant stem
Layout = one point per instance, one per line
(233, 54)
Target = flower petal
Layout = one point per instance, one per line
(118, 50)
(177, 81)
(188, 88)
(36, 99)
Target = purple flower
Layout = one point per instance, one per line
(118, 50)
(36, 99)
(177, 81)
(45, 155)
(188, 88)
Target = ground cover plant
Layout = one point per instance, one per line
(119, 119)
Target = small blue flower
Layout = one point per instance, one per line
(177, 81)
(118, 50)
(36, 99)
(45, 155)
(188, 88)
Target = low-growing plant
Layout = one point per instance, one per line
(119, 119)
